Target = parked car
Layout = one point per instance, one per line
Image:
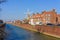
(58, 24)
(50, 24)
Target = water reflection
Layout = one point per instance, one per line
(15, 33)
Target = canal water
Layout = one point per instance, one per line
(16, 33)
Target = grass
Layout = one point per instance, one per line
(47, 37)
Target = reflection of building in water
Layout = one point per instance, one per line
(44, 18)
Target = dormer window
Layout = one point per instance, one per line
(48, 15)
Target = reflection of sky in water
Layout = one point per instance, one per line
(15, 33)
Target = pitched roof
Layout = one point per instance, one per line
(36, 16)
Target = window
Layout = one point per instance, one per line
(47, 21)
(38, 19)
(48, 15)
(47, 18)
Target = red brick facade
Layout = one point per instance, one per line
(58, 17)
(49, 17)
(46, 17)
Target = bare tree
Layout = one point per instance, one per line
(1, 1)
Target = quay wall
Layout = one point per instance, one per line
(48, 30)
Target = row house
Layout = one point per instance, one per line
(17, 21)
(44, 18)
(58, 18)
(36, 19)
(49, 17)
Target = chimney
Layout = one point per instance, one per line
(37, 13)
(53, 10)
(43, 11)
(33, 14)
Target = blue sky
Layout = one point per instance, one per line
(17, 9)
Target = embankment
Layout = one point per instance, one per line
(47, 30)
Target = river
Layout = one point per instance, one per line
(17, 33)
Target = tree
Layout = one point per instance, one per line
(1, 1)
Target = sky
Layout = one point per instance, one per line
(17, 9)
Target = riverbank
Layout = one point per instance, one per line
(43, 30)
(24, 26)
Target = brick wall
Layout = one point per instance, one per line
(49, 29)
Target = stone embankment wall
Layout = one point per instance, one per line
(53, 30)
(48, 30)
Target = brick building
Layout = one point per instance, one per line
(49, 17)
(36, 19)
(58, 18)
(44, 18)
